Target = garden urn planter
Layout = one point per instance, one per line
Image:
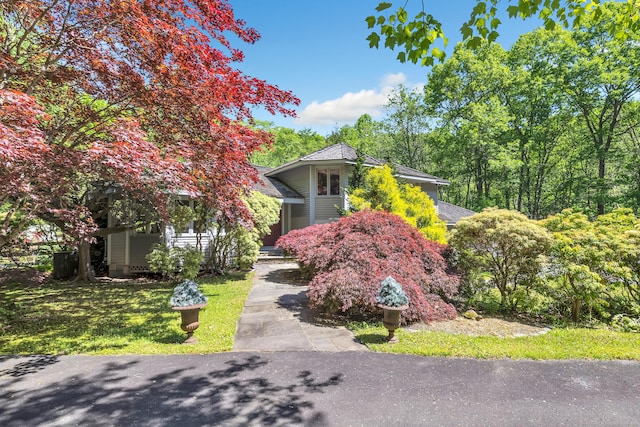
(391, 320)
(190, 321)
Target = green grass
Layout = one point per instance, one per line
(115, 317)
(561, 343)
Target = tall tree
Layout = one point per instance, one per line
(364, 135)
(538, 121)
(538, 127)
(142, 97)
(22, 153)
(464, 95)
(407, 123)
(600, 75)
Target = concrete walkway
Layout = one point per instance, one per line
(276, 316)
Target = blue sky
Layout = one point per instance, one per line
(318, 50)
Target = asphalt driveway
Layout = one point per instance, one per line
(314, 388)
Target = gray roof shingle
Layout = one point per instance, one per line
(451, 213)
(349, 154)
(271, 186)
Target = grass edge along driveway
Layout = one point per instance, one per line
(557, 344)
(132, 317)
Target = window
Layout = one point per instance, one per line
(329, 182)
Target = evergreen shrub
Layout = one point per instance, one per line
(348, 260)
(391, 293)
(187, 293)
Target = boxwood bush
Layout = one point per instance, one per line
(348, 260)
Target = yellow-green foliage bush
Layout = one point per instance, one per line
(594, 264)
(381, 191)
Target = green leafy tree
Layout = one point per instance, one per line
(539, 124)
(630, 146)
(288, 144)
(547, 125)
(365, 135)
(506, 247)
(381, 191)
(599, 75)
(420, 37)
(407, 123)
(464, 96)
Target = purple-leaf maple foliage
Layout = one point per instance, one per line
(348, 260)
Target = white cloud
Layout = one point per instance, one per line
(393, 80)
(350, 106)
(342, 110)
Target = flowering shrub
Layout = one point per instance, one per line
(349, 259)
(186, 294)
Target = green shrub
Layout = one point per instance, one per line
(162, 260)
(381, 191)
(503, 249)
(238, 245)
(625, 323)
(190, 261)
(171, 261)
(593, 264)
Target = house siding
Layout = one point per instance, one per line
(183, 240)
(140, 246)
(117, 250)
(117, 253)
(326, 209)
(298, 179)
(431, 190)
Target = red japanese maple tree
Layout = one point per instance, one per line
(137, 95)
(348, 259)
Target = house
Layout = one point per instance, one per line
(314, 186)
(310, 189)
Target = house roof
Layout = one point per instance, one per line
(333, 152)
(407, 172)
(451, 214)
(348, 154)
(271, 186)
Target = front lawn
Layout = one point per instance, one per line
(115, 317)
(560, 343)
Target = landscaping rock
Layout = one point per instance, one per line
(472, 315)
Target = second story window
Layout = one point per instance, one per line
(329, 182)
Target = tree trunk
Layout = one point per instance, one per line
(576, 310)
(85, 272)
(602, 192)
